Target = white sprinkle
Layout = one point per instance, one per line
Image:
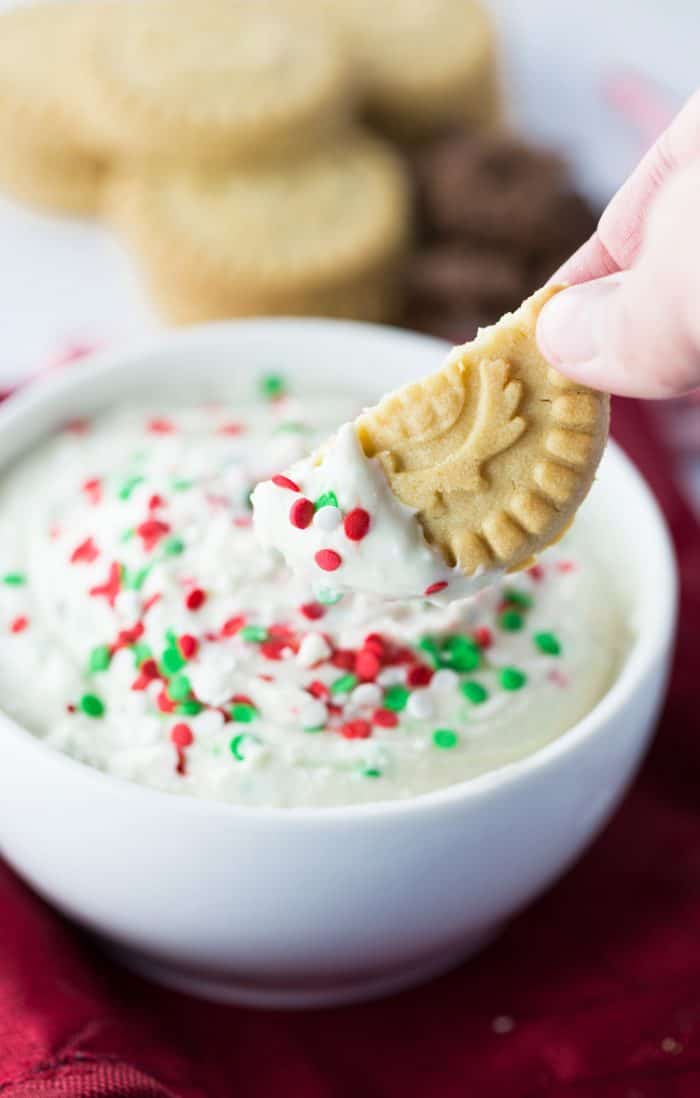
(420, 705)
(502, 1024)
(444, 680)
(312, 649)
(367, 693)
(313, 714)
(390, 676)
(327, 518)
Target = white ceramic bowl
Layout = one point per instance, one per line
(311, 907)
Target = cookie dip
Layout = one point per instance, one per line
(146, 632)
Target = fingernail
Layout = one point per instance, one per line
(572, 326)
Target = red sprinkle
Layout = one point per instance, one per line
(272, 649)
(128, 636)
(356, 524)
(375, 643)
(181, 735)
(312, 610)
(77, 426)
(195, 598)
(536, 572)
(110, 588)
(164, 703)
(149, 668)
(367, 665)
(93, 489)
(344, 658)
(385, 718)
(420, 675)
(188, 646)
(301, 513)
(284, 482)
(232, 625)
(151, 601)
(319, 689)
(328, 560)
(243, 699)
(356, 730)
(19, 624)
(158, 426)
(483, 636)
(433, 588)
(231, 429)
(155, 501)
(87, 551)
(151, 531)
(565, 566)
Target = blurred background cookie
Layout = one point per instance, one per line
(323, 233)
(421, 64)
(47, 153)
(211, 81)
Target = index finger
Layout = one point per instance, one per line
(616, 242)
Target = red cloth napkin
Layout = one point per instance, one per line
(593, 993)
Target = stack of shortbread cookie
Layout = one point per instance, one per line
(226, 140)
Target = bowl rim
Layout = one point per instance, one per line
(647, 650)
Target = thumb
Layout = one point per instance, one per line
(637, 332)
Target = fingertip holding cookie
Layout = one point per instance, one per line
(466, 474)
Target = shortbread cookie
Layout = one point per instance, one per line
(495, 451)
(299, 236)
(424, 64)
(47, 154)
(448, 482)
(202, 81)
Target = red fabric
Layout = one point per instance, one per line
(597, 986)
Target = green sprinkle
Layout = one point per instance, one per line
(511, 678)
(371, 772)
(327, 499)
(189, 708)
(173, 546)
(460, 653)
(291, 426)
(128, 486)
(91, 705)
(547, 643)
(179, 688)
(511, 621)
(445, 738)
(474, 691)
(272, 385)
(254, 633)
(127, 535)
(181, 485)
(14, 579)
(314, 727)
(328, 597)
(172, 660)
(395, 697)
(344, 684)
(243, 713)
(100, 658)
(237, 743)
(142, 652)
(171, 638)
(431, 648)
(518, 598)
(135, 580)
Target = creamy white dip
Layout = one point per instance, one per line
(146, 632)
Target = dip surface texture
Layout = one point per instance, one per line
(145, 631)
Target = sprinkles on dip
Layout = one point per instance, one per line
(190, 659)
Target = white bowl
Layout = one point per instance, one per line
(324, 906)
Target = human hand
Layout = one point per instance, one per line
(630, 321)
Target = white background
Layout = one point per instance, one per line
(63, 281)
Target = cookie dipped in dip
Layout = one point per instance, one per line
(145, 632)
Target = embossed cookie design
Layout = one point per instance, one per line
(495, 451)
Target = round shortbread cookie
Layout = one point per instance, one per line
(495, 451)
(206, 81)
(424, 64)
(47, 155)
(286, 237)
